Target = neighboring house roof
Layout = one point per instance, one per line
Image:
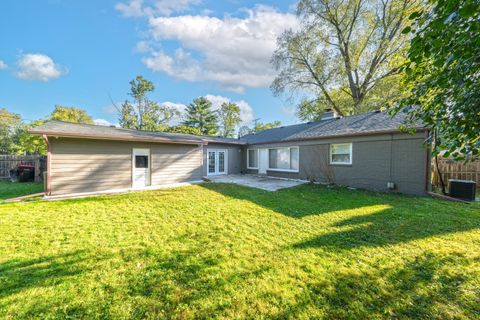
(366, 123)
(79, 130)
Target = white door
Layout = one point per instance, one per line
(141, 168)
(217, 162)
(263, 161)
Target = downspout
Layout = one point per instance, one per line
(428, 164)
(49, 166)
(436, 164)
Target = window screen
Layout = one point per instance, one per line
(141, 162)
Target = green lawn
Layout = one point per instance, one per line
(225, 251)
(17, 189)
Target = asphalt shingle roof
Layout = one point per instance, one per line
(61, 128)
(365, 123)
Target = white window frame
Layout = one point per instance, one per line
(284, 170)
(248, 159)
(350, 151)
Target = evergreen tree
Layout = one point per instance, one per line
(199, 114)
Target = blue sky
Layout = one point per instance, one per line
(78, 53)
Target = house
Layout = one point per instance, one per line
(365, 151)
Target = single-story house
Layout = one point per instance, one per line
(365, 151)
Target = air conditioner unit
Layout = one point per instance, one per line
(462, 189)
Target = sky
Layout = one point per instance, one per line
(84, 53)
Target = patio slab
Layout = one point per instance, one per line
(254, 181)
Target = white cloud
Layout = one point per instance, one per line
(233, 52)
(139, 8)
(102, 122)
(180, 65)
(3, 65)
(133, 8)
(246, 112)
(36, 66)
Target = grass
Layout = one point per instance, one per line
(17, 189)
(225, 251)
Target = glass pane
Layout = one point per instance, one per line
(294, 158)
(279, 158)
(340, 148)
(221, 162)
(272, 158)
(141, 161)
(341, 158)
(252, 158)
(211, 162)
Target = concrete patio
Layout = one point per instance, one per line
(255, 181)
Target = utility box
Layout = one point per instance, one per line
(462, 189)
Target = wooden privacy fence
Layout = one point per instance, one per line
(451, 169)
(8, 162)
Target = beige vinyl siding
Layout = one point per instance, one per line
(176, 163)
(81, 165)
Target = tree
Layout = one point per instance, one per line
(26, 143)
(184, 129)
(342, 52)
(443, 75)
(9, 124)
(143, 113)
(258, 127)
(199, 114)
(70, 114)
(229, 115)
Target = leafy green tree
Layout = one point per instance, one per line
(443, 75)
(70, 114)
(199, 114)
(343, 51)
(184, 129)
(229, 115)
(258, 127)
(26, 143)
(143, 113)
(9, 124)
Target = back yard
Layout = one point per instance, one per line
(225, 251)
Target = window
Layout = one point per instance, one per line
(252, 155)
(341, 153)
(141, 162)
(211, 161)
(283, 159)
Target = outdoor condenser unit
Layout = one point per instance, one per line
(462, 189)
